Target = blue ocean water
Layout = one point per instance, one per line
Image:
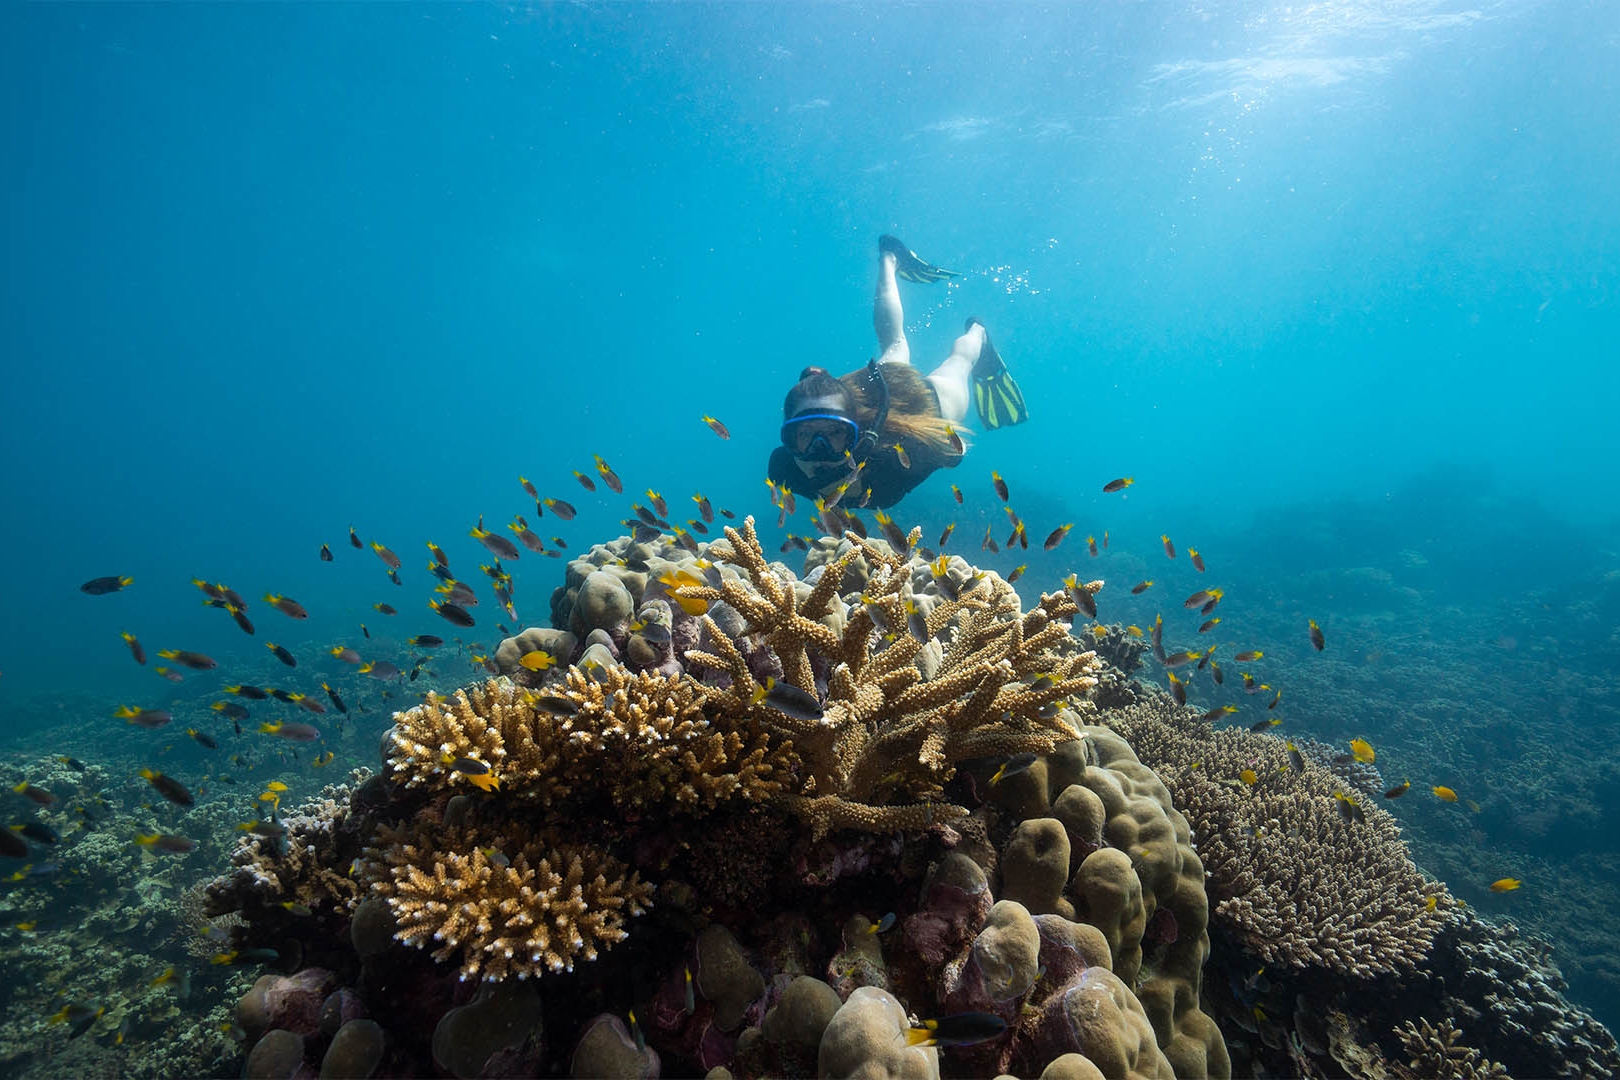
(1334, 283)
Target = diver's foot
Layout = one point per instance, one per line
(996, 396)
(908, 266)
(989, 363)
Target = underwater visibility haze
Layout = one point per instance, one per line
(297, 301)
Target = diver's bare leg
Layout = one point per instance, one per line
(951, 379)
(887, 317)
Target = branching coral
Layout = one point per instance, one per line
(539, 908)
(1304, 877)
(644, 740)
(886, 731)
(1436, 1053)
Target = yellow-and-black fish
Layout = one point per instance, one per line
(717, 427)
(1084, 596)
(240, 616)
(1197, 559)
(945, 536)
(196, 661)
(37, 795)
(1169, 548)
(958, 1029)
(388, 558)
(609, 477)
(1118, 485)
(1017, 572)
(1178, 689)
(497, 545)
(326, 553)
(1207, 625)
(1013, 766)
(337, 702)
(135, 649)
(956, 493)
(1091, 546)
(584, 481)
(1215, 714)
(1296, 760)
(1141, 587)
(286, 605)
(1316, 637)
(282, 654)
(169, 788)
(1055, 537)
(1398, 790)
(101, 586)
(202, 738)
(1000, 485)
(291, 731)
(354, 539)
(165, 842)
(452, 612)
(146, 718)
(562, 509)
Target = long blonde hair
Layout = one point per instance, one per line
(913, 410)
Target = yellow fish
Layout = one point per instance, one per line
(676, 579)
(1363, 751)
(1443, 793)
(538, 660)
(1431, 903)
(1507, 884)
(275, 785)
(1248, 777)
(322, 759)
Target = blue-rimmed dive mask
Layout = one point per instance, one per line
(820, 436)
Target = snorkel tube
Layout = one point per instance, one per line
(869, 436)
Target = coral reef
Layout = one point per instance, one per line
(1301, 879)
(650, 856)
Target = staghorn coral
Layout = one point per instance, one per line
(1435, 1052)
(645, 740)
(887, 732)
(1299, 882)
(539, 909)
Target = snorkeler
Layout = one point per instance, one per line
(872, 435)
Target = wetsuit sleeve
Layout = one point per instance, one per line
(781, 469)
